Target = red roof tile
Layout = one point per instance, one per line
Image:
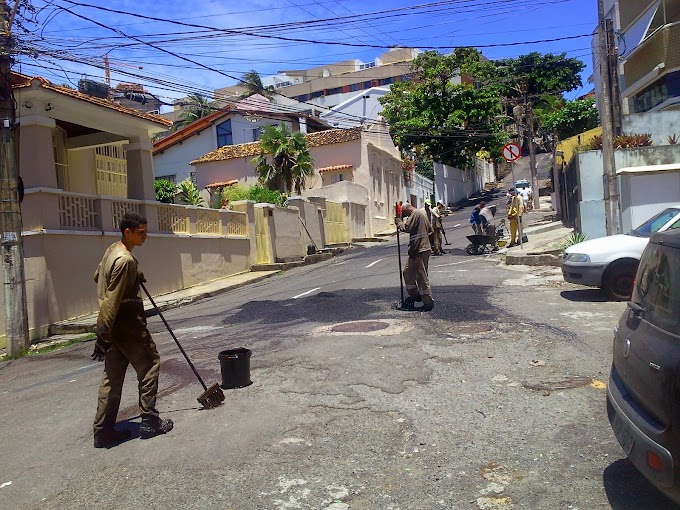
(334, 167)
(222, 184)
(317, 139)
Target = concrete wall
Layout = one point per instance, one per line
(419, 189)
(219, 171)
(645, 194)
(60, 267)
(454, 185)
(660, 125)
(287, 235)
(312, 216)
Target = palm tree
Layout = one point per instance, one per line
(290, 162)
(252, 82)
(196, 107)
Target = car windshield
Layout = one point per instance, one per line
(655, 223)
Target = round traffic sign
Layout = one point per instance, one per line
(511, 152)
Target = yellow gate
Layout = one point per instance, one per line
(336, 223)
(262, 239)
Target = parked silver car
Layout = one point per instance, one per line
(643, 394)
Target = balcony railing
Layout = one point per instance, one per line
(54, 209)
(662, 47)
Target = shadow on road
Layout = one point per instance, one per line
(627, 489)
(585, 295)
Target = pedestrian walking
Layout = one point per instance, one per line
(123, 338)
(415, 274)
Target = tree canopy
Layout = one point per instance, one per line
(456, 105)
(284, 163)
(573, 118)
(440, 112)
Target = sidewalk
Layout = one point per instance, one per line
(544, 239)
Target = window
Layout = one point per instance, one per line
(656, 291)
(224, 136)
(314, 95)
(386, 81)
(665, 88)
(302, 98)
(354, 87)
(192, 177)
(336, 90)
(367, 85)
(257, 133)
(283, 84)
(366, 66)
(171, 178)
(655, 223)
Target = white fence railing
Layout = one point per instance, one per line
(47, 208)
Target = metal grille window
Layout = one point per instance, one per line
(111, 167)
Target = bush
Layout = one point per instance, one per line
(622, 141)
(256, 193)
(188, 194)
(165, 191)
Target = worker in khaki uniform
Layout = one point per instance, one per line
(123, 339)
(515, 212)
(415, 273)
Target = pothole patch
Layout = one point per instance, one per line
(563, 384)
(470, 328)
(379, 327)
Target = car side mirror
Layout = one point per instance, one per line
(637, 310)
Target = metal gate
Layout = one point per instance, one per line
(337, 223)
(262, 238)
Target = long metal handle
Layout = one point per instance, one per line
(174, 337)
(401, 275)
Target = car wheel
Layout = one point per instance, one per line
(619, 280)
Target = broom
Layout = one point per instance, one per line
(212, 397)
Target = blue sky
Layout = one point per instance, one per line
(217, 55)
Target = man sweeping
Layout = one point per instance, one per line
(123, 339)
(415, 273)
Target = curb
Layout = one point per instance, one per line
(543, 259)
(84, 325)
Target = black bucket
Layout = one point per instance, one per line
(235, 366)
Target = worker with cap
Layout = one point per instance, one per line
(415, 273)
(438, 227)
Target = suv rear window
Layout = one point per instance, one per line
(658, 287)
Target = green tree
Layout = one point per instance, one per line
(165, 190)
(189, 194)
(435, 116)
(289, 163)
(534, 76)
(196, 107)
(252, 82)
(573, 118)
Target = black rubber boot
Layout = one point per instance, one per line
(110, 437)
(149, 430)
(428, 303)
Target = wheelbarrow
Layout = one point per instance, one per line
(480, 243)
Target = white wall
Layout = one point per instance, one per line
(645, 194)
(359, 105)
(175, 160)
(453, 185)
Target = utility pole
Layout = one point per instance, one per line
(613, 60)
(14, 283)
(529, 109)
(611, 193)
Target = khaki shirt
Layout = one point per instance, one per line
(518, 204)
(121, 309)
(419, 228)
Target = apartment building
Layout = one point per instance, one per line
(329, 85)
(649, 51)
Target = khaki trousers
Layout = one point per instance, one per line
(138, 349)
(437, 246)
(415, 275)
(514, 230)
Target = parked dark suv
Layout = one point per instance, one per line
(643, 395)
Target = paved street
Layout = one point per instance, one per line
(494, 400)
